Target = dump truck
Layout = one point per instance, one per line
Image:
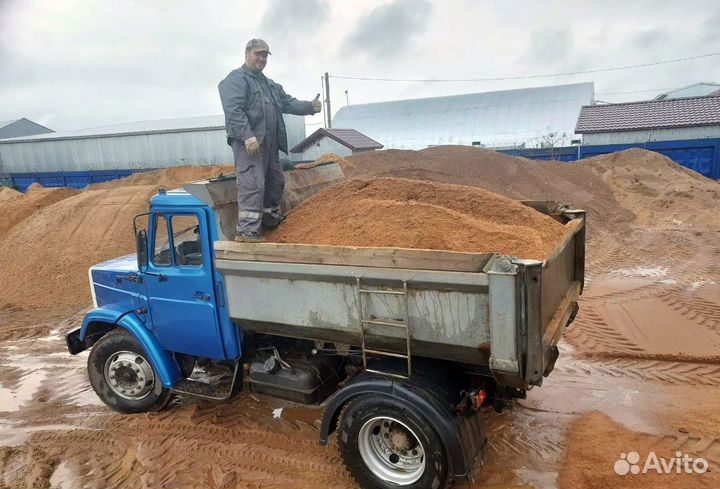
(405, 349)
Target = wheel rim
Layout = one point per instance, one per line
(129, 375)
(391, 450)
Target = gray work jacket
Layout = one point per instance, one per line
(242, 101)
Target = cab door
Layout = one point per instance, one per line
(179, 282)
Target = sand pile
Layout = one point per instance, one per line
(169, 178)
(659, 276)
(7, 193)
(46, 255)
(657, 189)
(20, 206)
(394, 212)
(589, 463)
(516, 178)
(329, 158)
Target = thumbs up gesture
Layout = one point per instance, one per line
(317, 105)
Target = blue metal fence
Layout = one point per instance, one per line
(72, 179)
(701, 155)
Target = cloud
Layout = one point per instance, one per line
(388, 30)
(289, 19)
(650, 39)
(152, 63)
(710, 29)
(549, 47)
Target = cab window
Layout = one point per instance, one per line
(181, 246)
(188, 252)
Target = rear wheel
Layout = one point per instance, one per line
(122, 376)
(386, 446)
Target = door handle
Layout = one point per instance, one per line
(135, 278)
(201, 297)
(160, 276)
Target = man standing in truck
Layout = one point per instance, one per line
(253, 106)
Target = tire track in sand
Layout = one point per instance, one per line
(591, 333)
(705, 446)
(696, 309)
(647, 370)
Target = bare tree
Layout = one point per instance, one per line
(554, 141)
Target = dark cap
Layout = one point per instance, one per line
(257, 45)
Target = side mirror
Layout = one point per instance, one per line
(142, 249)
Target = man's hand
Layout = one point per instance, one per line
(252, 147)
(317, 105)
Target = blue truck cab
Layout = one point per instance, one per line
(172, 301)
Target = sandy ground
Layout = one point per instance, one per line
(639, 372)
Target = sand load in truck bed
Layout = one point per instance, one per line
(402, 213)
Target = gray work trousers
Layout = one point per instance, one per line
(260, 184)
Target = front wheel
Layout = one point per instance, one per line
(386, 446)
(122, 376)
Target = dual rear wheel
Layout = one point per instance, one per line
(384, 445)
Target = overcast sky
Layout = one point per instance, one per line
(79, 64)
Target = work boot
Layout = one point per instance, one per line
(249, 237)
(271, 221)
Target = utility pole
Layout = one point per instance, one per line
(327, 100)
(347, 99)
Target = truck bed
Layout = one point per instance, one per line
(501, 315)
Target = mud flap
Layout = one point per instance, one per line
(553, 354)
(74, 344)
(471, 433)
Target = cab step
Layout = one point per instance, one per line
(216, 392)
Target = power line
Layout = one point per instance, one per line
(503, 78)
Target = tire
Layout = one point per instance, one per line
(374, 433)
(122, 377)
